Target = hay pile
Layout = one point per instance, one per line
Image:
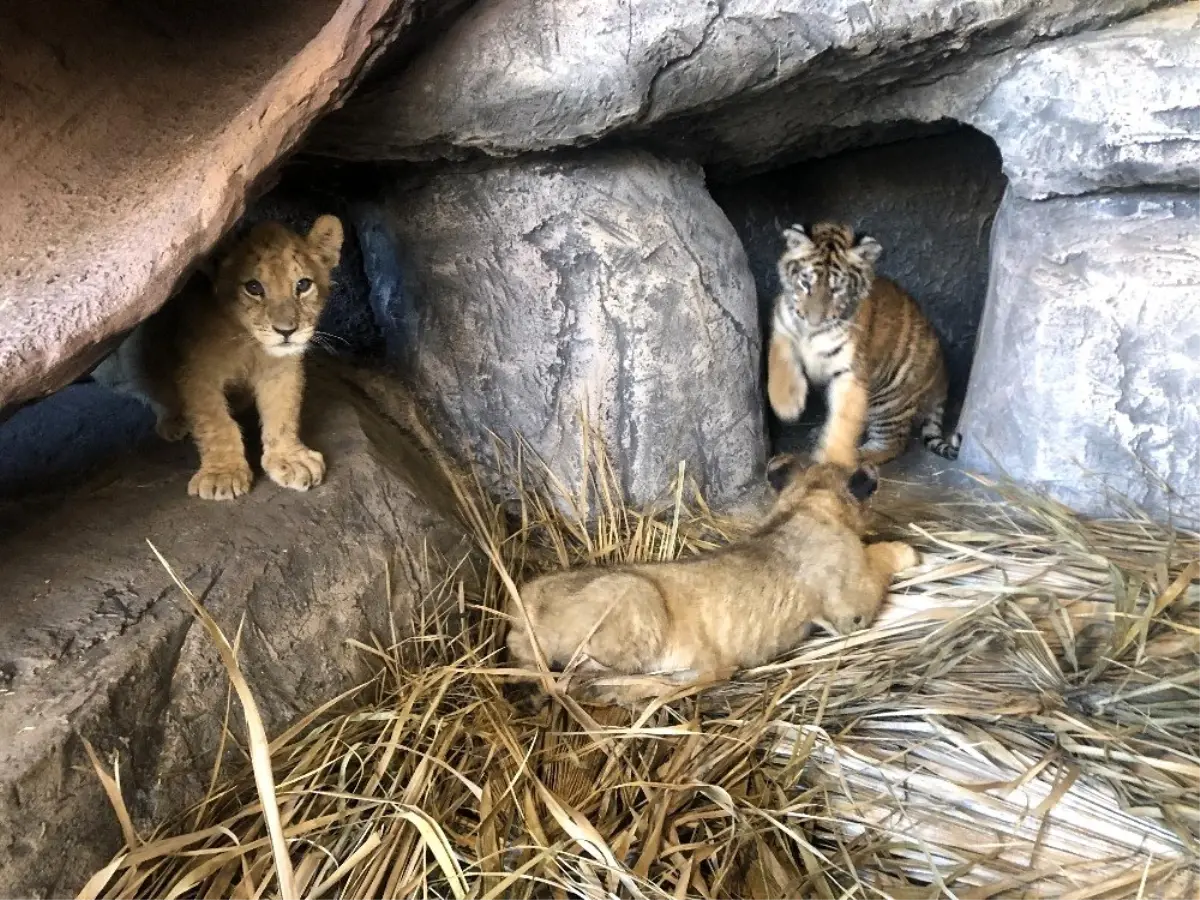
(1023, 721)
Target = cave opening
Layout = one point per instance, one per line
(929, 199)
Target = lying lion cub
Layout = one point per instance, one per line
(701, 619)
(246, 334)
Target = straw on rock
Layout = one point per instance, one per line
(1022, 721)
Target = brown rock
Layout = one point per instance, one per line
(129, 133)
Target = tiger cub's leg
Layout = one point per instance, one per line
(787, 388)
(932, 435)
(844, 427)
(887, 437)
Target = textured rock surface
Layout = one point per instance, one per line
(744, 84)
(1089, 352)
(929, 201)
(1117, 108)
(94, 640)
(613, 285)
(131, 133)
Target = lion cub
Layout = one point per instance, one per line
(245, 334)
(741, 606)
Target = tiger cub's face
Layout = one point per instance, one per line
(825, 272)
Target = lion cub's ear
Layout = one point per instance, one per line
(781, 469)
(864, 482)
(325, 240)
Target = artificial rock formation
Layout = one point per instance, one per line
(95, 641)
(745, 84)
(1079, 97)
(1088, 351)
(610, 288)
(131, 133)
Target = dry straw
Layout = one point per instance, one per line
(1023, 721)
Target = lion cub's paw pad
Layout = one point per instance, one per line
(221, 483)
(298, 469)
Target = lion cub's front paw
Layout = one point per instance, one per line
(221, 482)
(297, 468)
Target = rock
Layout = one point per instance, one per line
(95, 640)
(743, 85)
(1118, 108)
(612, 286)
(1088, 353)
(130, 137)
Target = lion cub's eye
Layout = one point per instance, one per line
(303, 285)
(253, 287)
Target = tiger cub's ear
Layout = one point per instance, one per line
(868, 249)
(797, 237)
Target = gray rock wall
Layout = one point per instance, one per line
(1088, 370)
(745, 85)
(610, 285)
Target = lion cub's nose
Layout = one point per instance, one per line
(285, 332)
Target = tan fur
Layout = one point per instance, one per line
(214, 343)
(837, 324)
(703, 618)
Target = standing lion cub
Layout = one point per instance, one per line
(245, 334)
(741, 606)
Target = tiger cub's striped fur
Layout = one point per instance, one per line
(837, 324)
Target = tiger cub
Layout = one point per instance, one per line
(837, 324)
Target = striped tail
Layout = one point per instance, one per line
(931, 435)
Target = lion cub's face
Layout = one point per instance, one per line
(276, 282)
(831, 494)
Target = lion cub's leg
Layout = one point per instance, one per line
(224, 473)
(169, 421)
(787, 388)
(279, 392)
(844, 427)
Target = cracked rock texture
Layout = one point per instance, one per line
(743, 85)
(130, 133)
(611, 284)
(95, 640)
(1086, 374)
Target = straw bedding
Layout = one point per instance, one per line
(1022, 721)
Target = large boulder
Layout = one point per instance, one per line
(746, 84)
(95, 641)
(1086, 374)
(129, 139)
(609, 287)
